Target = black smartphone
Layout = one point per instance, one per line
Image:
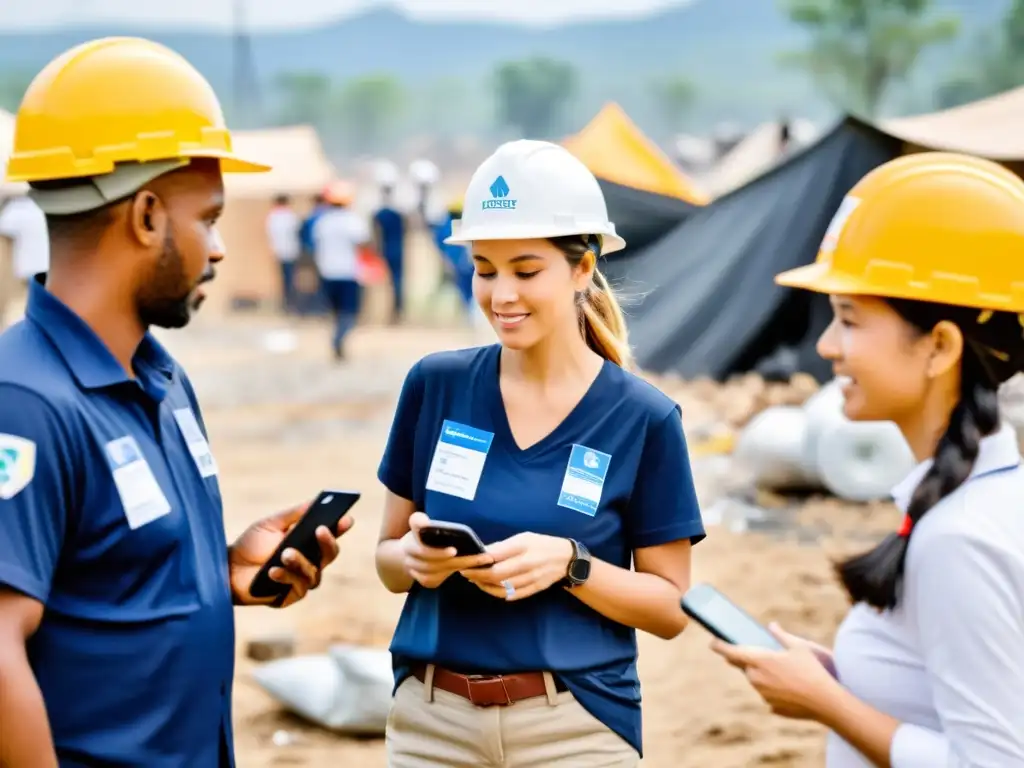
(441, 534)
(327, 509)
(726, 620)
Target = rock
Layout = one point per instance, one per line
(270, 647)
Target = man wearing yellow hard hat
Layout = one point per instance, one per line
(117, 584)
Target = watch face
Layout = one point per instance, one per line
(580, 570)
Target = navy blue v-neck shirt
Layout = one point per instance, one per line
(624, 438)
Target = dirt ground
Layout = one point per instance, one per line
(287, 423)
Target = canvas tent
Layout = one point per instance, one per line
(646, 193)
(300, 169)
(709, 304)
(765, 146)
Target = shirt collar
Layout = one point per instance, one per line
(996, 452)
(86, 356)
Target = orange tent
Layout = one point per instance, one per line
(616, 150)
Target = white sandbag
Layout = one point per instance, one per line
(771, 448)
(367, 681)
(347, 689)
(305, 685)
(824, 409)
(862, 461)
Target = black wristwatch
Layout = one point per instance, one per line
(579, 566)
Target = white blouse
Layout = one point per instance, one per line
(948, 662)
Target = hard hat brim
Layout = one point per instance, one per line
(821, 278)
(610, 242)
(229, 161)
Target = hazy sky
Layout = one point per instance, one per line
(22, 14)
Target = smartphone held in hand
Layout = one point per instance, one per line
(440, 534)
(725, 620)
(327, 510)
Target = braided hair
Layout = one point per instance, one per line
(993, 352)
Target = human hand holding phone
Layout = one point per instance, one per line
(823, 654)
(279, 559)
(431, 565)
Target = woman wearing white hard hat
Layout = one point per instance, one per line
(568, 468)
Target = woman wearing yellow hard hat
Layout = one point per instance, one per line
(924, 265)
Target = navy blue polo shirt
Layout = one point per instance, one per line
(615, 475)
(112, 519)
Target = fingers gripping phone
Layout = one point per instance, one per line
(327, 509)
(724, 619)
(440, 534)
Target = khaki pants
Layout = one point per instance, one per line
(437, 729)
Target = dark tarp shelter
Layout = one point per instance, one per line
(709, 305)
(646, 193)
(642, 217)
(702, 300)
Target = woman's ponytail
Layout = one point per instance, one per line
(601, 320)
(602, 323)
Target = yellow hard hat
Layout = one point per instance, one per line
(117, 100)
(932, 226)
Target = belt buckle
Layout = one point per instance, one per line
(481, 681)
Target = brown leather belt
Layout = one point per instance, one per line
(488, 690)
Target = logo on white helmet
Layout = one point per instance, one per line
(499, 196)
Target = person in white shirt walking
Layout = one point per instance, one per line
(338, 235)
(922, 264)
(283, 235)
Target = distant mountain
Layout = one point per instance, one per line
(728, 47)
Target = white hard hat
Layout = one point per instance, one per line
(385, 173)
(534, 189)
(424, 172)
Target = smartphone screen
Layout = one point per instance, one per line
(725, 619)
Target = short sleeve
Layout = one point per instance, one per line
(8, 227)
(396, 467)
(663, 507)
(35, 472)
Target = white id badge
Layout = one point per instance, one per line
(196, 441)
(584, 480)
(459, 460)
(141, 496)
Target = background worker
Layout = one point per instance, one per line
(390, 230)
(456, 262)
(568, 467)
(283, 226)
(338, 235)
(923, 266)
(117, 583)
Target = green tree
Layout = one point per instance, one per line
(532, 93)
(367, 110)
(304, 97)
(674, 97)
(996, 65)
(858, 48)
